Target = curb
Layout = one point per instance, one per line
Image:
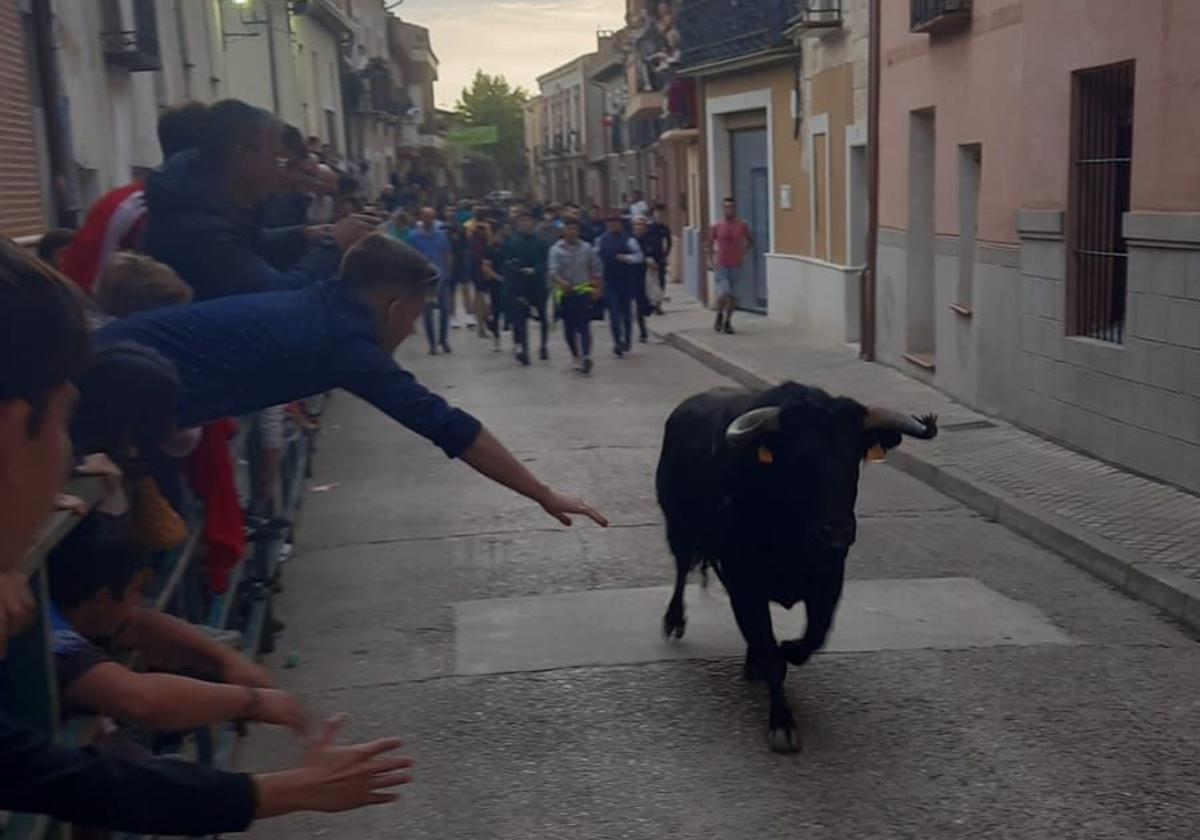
(1168, 591)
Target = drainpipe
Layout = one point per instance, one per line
(185, 57)
(270, 33)
(867, 278)
(64, 192)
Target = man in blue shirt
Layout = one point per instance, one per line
(241, 353)
(434, 245)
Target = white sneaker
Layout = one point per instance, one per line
(470, 322)
(455, 324)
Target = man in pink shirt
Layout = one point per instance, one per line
(730, 238)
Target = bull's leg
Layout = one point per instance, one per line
(674, 622)
(820, 603)
(750, 672)
(753, 616)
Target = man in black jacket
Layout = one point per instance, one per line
(43, 343)
(525, 256)
(201, 203)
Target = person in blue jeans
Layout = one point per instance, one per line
(434, 244)
(620, 254)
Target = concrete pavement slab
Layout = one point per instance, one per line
(620, 626)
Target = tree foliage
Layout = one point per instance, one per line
(492, 100)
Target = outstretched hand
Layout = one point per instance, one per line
(335, 778)
(561, 507)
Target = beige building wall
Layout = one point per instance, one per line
(787, 164)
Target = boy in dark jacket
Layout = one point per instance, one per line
(619, 253)
(525, 257)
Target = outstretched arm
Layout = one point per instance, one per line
(371, 374)
(489, 457)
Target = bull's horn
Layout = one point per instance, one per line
(750, 425)
(924, 428)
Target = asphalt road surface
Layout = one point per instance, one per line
(977, 686)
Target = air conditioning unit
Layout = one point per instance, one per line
(822, 14)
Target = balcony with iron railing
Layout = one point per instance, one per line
(938, 15)
(716, 31)
(819, 15)
(129, 36)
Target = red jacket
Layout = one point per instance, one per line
(113, 224)
(210, 468)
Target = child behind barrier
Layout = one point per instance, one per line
(97, 581)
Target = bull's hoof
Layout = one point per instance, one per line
(784, 740)
(674, 625)
(795, 651)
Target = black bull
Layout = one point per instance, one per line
(761, 487)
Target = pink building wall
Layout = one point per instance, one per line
(1007, 85)
(1164, 38)
(975, 85)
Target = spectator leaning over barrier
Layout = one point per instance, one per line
(96, 584)
(285, 234)
(239, 354)
(201, 209)
(116, 221)
(43, 343)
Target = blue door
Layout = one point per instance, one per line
(752, 194)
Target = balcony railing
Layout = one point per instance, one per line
(723, 30)
(820, 14)
(131, 43)
(934, 15)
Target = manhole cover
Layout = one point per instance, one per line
(969, 426)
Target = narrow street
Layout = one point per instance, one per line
(977, 685)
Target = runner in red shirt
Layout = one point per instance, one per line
(730, 238)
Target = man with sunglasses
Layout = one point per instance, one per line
(201, 204)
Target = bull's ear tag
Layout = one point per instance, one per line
(765, 456)
(876, 454)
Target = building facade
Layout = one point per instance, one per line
(606, 142)
(424, 130)
(535, 151)
(85, 82)
(814, 272)
(568, 95)
(662, 157)
(1039, 243)
(370, 94)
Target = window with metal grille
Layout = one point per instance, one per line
(1101, 157)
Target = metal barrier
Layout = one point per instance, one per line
(33, 695)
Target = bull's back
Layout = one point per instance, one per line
(687, 467)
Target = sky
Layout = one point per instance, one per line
(521, 39)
